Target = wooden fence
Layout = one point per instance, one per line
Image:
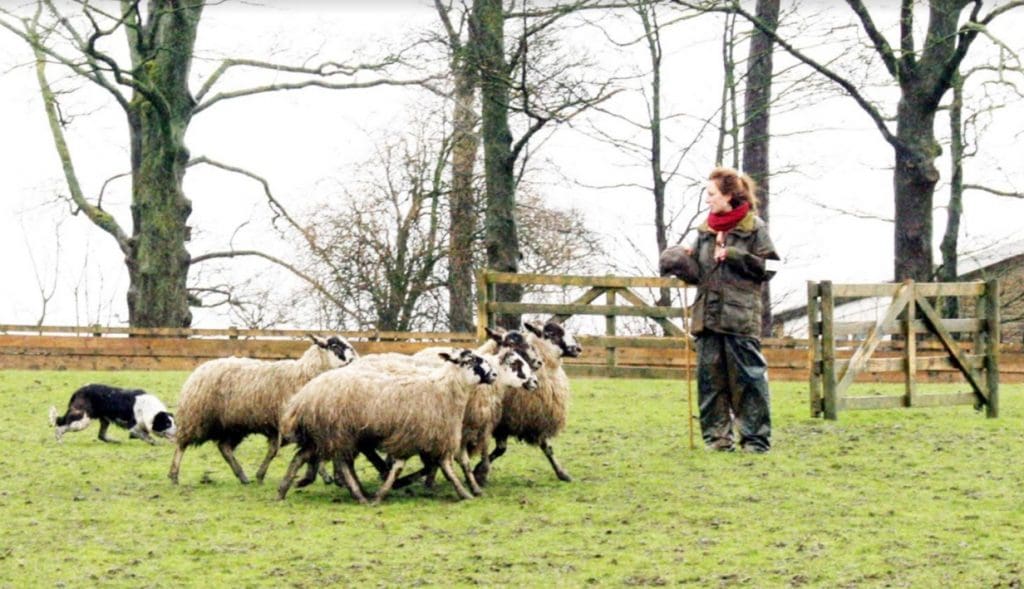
(968, 347)
(111, 348)
(608, 355)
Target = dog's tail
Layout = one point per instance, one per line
(55, 420)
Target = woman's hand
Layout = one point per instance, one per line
(720, 247)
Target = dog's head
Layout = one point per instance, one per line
(163, 424)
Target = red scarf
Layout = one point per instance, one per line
(726, 221)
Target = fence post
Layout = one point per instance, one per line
(992, 347)
(814, 348)
(910, 350)
(828, 351)
(609, 328)
(483, 318)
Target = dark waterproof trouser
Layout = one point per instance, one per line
(732, 387)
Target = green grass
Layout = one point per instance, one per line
(914, 498)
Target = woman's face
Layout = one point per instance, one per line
(718, 202)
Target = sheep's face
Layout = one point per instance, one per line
(516, 341)
(341, 350)
(513, 371)
(556, 334)
(476, 368)
(343, 353)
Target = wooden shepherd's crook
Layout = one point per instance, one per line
(686, 366)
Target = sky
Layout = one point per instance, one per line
(309, 143)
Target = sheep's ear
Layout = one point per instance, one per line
(494, 334)
(507, 357)
(532, 327)
(318, 341)
(447, 357)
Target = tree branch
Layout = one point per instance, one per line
(849, 87)
(882, 46)
(97, 215)
(255, 253)
(1007, 193)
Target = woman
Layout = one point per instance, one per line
(727, 263)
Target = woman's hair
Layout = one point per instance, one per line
(739, 187)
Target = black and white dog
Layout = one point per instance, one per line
(135, 410)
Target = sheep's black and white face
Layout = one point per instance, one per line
(340, 348)
(476, 365)
(515, 372)
(516, 341)
(556, 334)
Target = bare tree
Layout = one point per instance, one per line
(518, 83)
(756, 133)
(154, 91)
(923, 73)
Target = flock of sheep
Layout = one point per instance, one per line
(441, 404)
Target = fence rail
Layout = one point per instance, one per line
(110, 348)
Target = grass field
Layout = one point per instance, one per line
(895, 498)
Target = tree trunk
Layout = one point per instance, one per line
(500, 234)
(463, 199)
(158, 264)
(914, 183)
(950, 271)
(756, 134)
(157, 120)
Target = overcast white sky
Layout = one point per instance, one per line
(306, 143)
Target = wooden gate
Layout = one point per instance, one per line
(912, 318)
(614, 289)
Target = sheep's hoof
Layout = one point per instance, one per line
(564, 476)
(304, 483)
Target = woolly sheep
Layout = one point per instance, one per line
(537, 416)
(340, 413)
(482, 410)
(227, 399)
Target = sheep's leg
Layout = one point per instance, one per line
(273, 445)
(312, 465)
(483, 468)
(176, 464)
(449, 473)
(326, 476)
(468, 471)
(430, 475)
(550, 453)
(385, 487)
(104, 424)
(409, 479)
(383, 467)
(348, 474)
(293, 468)
(227, 450)
(500, 445)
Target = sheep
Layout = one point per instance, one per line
(538, 416)
(482, 410)
(227, 399)
(513, 340)
(340, 413)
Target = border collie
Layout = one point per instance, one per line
(136, 410)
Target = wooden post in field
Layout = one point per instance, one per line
(992, 332)
(483, 318)
(910, 351)
(814, 343)
(609, 328)
(828, 351)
